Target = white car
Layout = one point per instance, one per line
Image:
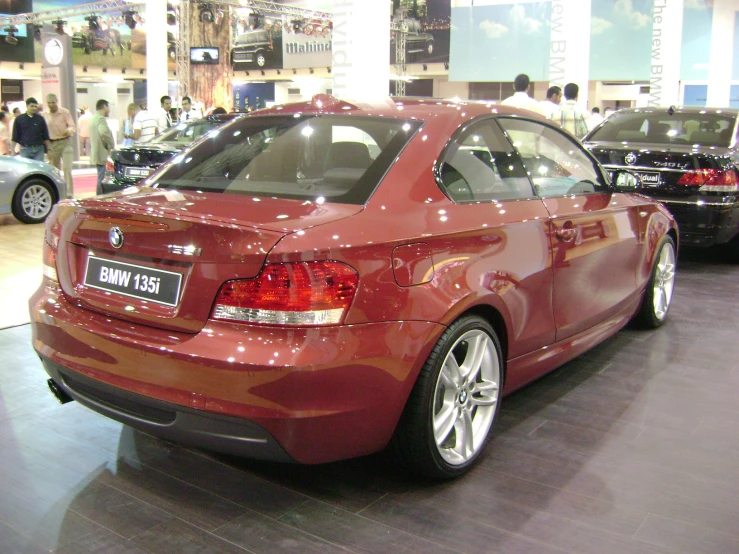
(29, 189)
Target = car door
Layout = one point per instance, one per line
(594, 230)
(504, 242)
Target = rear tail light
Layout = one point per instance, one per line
(719, 180)
(305, 293)
(51, 245)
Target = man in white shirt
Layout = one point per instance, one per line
(551, 104)
(144, 126)
(189, 113)
(164, 119)
(595, 118)
(83, 127)
(521, 98)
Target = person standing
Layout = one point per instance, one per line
(189, 113)
(570, 116)
(101, 140)
(31, 132)
(521, 98)
(164, 119)
(14, 146)
(144, 126)
(128, 134)
(61, 130)
(595, 118)
(83, 125)
(4, 135)
(550, 106)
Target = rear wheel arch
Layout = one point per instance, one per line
(42, 177)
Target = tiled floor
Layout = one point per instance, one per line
(630, 449)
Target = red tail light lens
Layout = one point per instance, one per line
(109, 166)
(306, 293)
(51, 245)
(720, 180)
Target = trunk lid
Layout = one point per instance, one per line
(177, 250)
(133, 163)
(660, 166)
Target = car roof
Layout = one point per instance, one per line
(682, 110)
(401, 107)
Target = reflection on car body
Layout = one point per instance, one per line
(351, 277)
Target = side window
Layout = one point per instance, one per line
(481, 166)
(556, 163)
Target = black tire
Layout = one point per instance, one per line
(414, 443)
(261, 59)
(33, 201)
(649, 316)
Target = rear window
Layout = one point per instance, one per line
(186, 133)
(709, 129)
(331, 158)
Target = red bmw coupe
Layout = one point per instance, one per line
(322, 280)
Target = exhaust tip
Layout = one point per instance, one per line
(58, 392)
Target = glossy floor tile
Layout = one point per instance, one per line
(632, 448)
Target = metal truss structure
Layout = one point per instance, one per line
(66, 13)
(400, 33)
(276, 10)
(182, 51)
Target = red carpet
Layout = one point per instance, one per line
(84, 184)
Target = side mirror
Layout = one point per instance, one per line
(625, 181)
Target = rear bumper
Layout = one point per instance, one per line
(166, 420)
(114, 185)
(311, 395)
(702, 223)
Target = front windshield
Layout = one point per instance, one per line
(659, 127)
(336, 158)
(186, 133)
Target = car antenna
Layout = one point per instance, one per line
(671, 110)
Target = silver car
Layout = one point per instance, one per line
(29, 189)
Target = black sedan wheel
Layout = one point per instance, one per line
(446, 423)
(32, 201)
(658, 295)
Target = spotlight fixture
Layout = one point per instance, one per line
(59, 26)
(328, 69)
(10, 38)
(123, 71)
(297, 25)
(37, 32)
(171, 18)
(21, 66)
(425, 67)
(278, 72)
(262, 72)
(311, 71)
(206, 13)
(84, 69)
(141, 71)
(255, 20)
(92, 22)
(295, 71)
(446, 65)
(105, 70)
(219, 17)
(128, 16)
(247, 73)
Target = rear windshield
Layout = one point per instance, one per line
(332, 158)
(709, 129)
(186, 133)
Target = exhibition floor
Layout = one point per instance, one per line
(629, 449)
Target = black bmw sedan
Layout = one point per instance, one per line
(686, 157)
(128, 165)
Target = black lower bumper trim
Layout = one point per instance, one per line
(173, 422)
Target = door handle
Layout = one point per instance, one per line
(567, 233)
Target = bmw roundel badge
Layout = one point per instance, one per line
(115, 235)
(630, 158)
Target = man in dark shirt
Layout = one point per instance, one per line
(31, 132)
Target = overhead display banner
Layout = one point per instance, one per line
(309, 48)
(569, 46)
(667, 31)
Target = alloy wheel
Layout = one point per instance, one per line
(36, 201)
(664, 281)
(466, 397)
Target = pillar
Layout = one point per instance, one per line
(361, 49)
(722, 53)
(156, 52)
(569, 52)
(666, 46)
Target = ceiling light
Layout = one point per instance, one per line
(92, 22)
(128, 16)
(10, 38)
(59, 26)
(206, 13)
